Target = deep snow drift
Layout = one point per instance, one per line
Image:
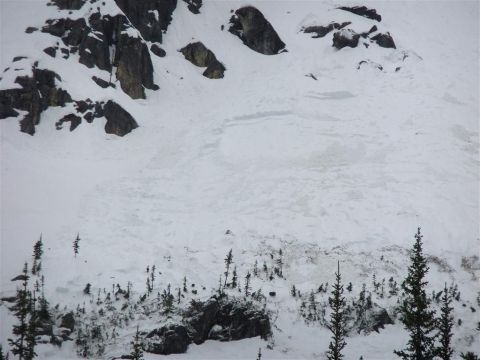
(354, 161)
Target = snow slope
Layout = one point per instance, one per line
(357, 159)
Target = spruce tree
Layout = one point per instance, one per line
(137, 351)
(415, 313)
(337, 324)
(247, 283)
(445, 326)
(76, 245)
(228, 261)
(30, 338)
(21, 310)
(37, 255)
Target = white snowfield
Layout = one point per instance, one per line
(351, 163)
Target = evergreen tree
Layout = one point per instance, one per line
(21, 310)
(415, 313)
(337, 324)
(76, 245)
(234, 282)
(445, 325)
(259, 354)
(3, 356)
(255, 268)
(185, 284)
(87, 288)
(137, 351)
(293, 291)
(228, 261)
(30, 337)
(167, 301)
(469, 356)
(37, 255)
(247, 284)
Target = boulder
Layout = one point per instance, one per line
(362, 11)
(249, 24)
(345, 37)
(169, 339)
(200, 56)
(74, 121)
(157, 50)
(384, 40)
(68, 321)
(51, 51)
(100, 82)
(215, 70)
(194, 6)
(69, 4)
(321, 31)
(372, 319)
(150, 17)
(119, 121)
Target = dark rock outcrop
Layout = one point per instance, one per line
(119, 121)
(372, 319)
(36, 94)
(74, 121)
(169, 339)
(384, 40)
(362, 11)
(68, 321)
(249, 24)
(199, 55)
(150, 17)
(100, 82)
(157, 50)
(215, 319)
(69, 4)
(194, 6)
(94, 41)
(50, 51)
(321, 31)
(345, 38)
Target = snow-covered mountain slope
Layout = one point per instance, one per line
(305, 150)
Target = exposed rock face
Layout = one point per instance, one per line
(345, 38)
(372, 319)
(321, 31)
(69, 4)
(134, 67)
(36, 94)
(215, 319)
(362, 11)
(170, 339)
(95, 41)
(119, 121)
(255, 31)
(384, 40)
(150, 17)
(68, 321)
(200, 56)
(194, 6)
(232, 321)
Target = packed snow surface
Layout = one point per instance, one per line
(357, 159)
